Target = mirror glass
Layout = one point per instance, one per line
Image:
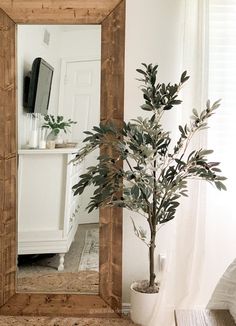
(59, 71)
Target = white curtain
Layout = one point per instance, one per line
(190, 224)
(221, 217)
(182, 276)
(202, 238)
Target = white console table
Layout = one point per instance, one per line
(47, 210)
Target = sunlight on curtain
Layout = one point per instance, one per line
(190, 239)
(221, 216)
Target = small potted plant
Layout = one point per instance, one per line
(56, 124)
(155, 174)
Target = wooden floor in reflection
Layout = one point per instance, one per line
(42, 321)
(38, 273)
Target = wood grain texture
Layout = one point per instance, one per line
(64, 305)
(48, 11)
(110, 260)
(112, 90)
(7, 159)
(203, 318)
(112, 77)
(111, 13)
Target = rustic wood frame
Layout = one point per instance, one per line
(111, 15)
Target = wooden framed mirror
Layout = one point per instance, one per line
(110, 14)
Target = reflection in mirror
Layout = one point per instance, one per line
(58, 241)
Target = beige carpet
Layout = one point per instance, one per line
(82, 282)
(46, 321)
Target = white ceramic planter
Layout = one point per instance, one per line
(142, 306)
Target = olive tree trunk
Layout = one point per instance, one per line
(152, 275)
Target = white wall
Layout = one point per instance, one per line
(84, 42)
(30, 46)
(65, 42)
(153, 35)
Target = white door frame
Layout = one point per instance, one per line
(64, 62)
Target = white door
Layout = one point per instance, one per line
(80, 101)
(81, 96)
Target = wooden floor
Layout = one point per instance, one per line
(203, 318)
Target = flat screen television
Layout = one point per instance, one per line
(37, 87)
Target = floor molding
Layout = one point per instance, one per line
(126, 308)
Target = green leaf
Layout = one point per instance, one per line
(176, 102)
(135, 191)
(195, 113)
(141, 71)
(220, 185)
(184, 77)
(181, 130)
(206, 152)
(147, 107)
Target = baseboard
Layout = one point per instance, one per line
(89, 220)
(126, 308)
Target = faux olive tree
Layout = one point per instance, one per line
(155, 172)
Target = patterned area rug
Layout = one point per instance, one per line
(48, 263)
(89, 260)
(80, 282)
(81, 267)
(46, 321)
